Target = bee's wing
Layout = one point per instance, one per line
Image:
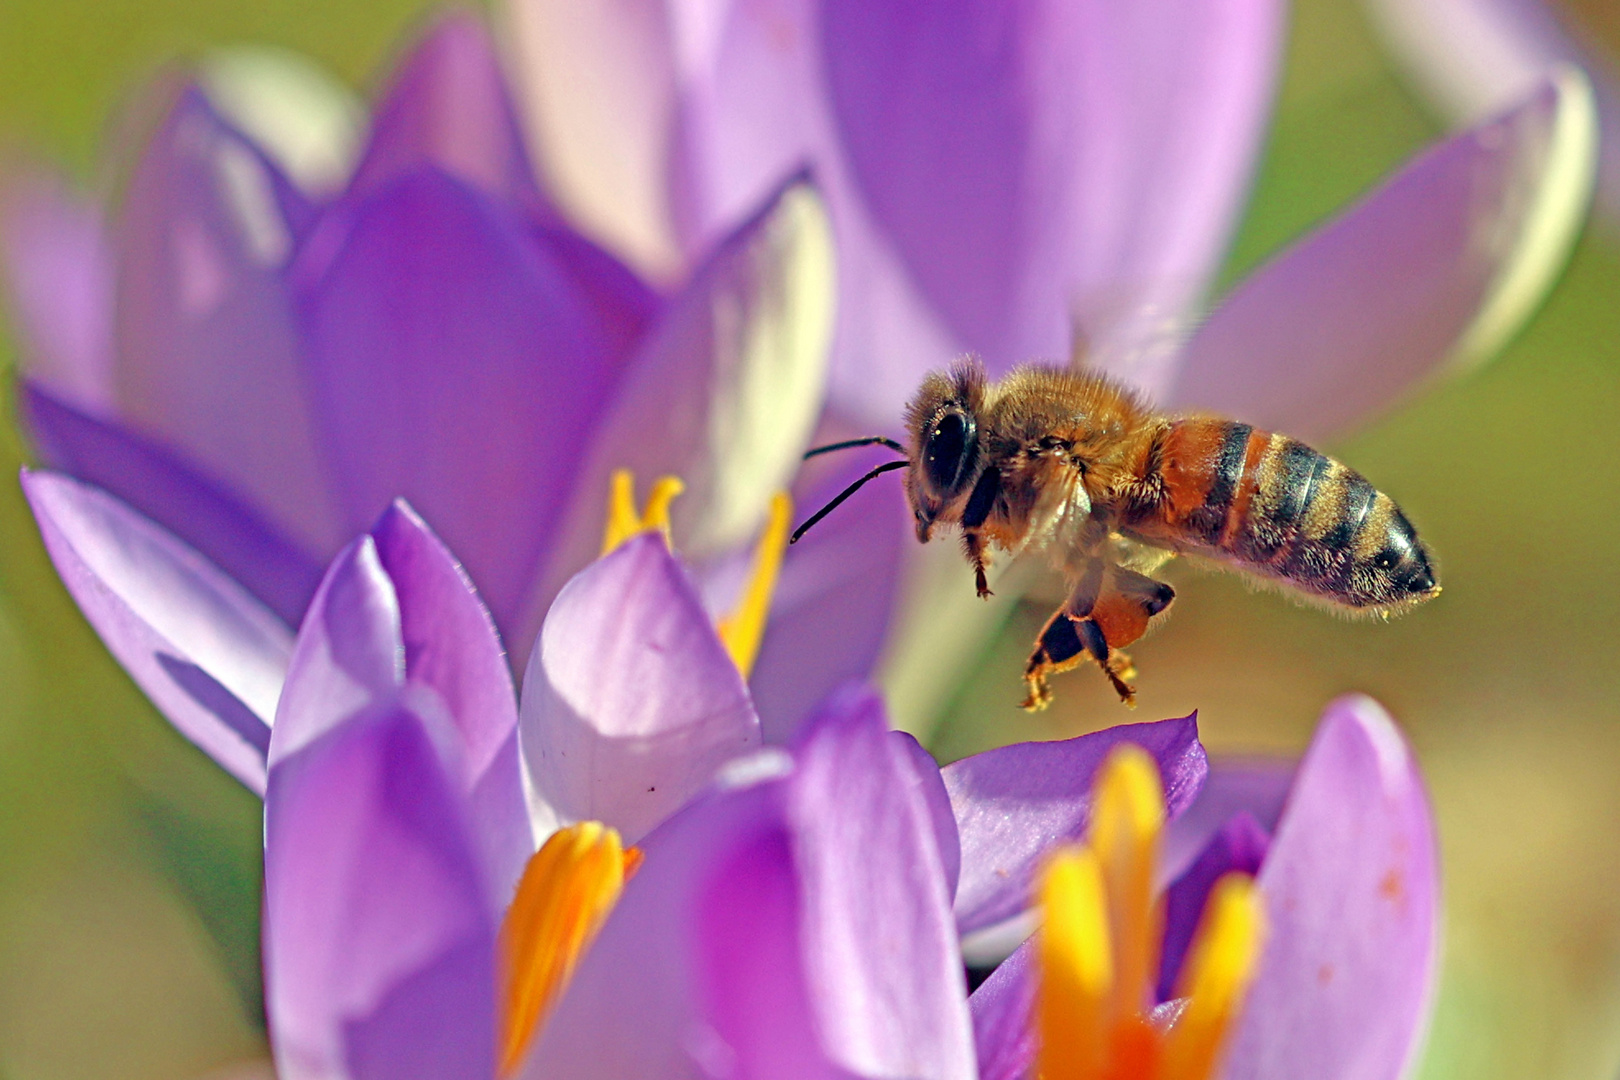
(1135, 555)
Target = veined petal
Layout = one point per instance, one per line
(1436, 268)
(59, 284)
(630, 702)
(208, 655)
(158, 484)
(1256, 786)
(208, 356)
(447, 106)
(1040, 163)
(727, 387)
(379, 943)
(1351, 886)
(1473, 58)
(442, 334)
(451, 646)
(1014, 803)
(350, 651)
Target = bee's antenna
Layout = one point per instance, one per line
(870, 440)
(887, 466)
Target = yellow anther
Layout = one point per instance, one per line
(1220, 966)
(566, 892)
(623, 521)
(1075, 968)
(743, 629)
(1127, 816)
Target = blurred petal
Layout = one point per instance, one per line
(1014, 803)
(1240, 844)
(305, 119)
(599, 85)
(154, 482)
(1256, 786)
(1352, 896)
(208, 655)
(876, 874)
(208, 358)
(1475, 57)
(930, 788)
(447, 106)
(1002, 1009)
(1109, 147)
(454, 363)
(59, 286)
(1437, 267)
(630, 702)
(350, 651)
(834, 600)
(379, 946)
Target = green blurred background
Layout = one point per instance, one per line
(129, 864)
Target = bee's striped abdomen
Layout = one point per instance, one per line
(1278, 507)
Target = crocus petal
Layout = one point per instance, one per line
(1012, 804)
(630, 702)
(1239, 845)
(1473, 58)
(864, 870)
(306, 120)
(834, 600)
(208, 655)
(1002, 1009)
(59, 281)
(208, 358)
(930, 787)
(441, 332)
(876, 874)
(1256, 786)
(155, 482)
(1438, 266)
(1110, 146)
(378, 940)
(447, 106)
(451, 646)
(1351, 886)
(350, 651)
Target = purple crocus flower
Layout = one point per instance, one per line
(263, 367)
(1347, 876)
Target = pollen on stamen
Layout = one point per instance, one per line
(567, 891)
(744, 628)
(623, 521)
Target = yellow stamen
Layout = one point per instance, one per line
(566, 892)
(1127, 816)
(622, 520)
(743, 629)
(1216, 976)
(1075, 967)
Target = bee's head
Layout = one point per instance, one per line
(943, 422)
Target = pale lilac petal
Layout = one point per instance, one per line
(350, 651)
(451, 646)
(930, 788)
(209, 656)
(208, 356)
(875, 873)
(1257, 786)
(1239, 845)
(1042, 164)
(834, 600)
(630, 702)
(1474, 57)
(59, 287)
(442, 334)
(1014, 803)
(1003, 1009)
(447, 106)
(1436, 267)
(378, 943)
(1353, 905)
(197, 509)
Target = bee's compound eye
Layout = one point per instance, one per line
(949, 453)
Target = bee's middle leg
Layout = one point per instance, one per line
(1109, 608)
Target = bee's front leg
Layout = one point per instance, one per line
(973, 544)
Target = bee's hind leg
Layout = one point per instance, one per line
(1110, 607)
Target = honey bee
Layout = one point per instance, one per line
(1074, 465)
